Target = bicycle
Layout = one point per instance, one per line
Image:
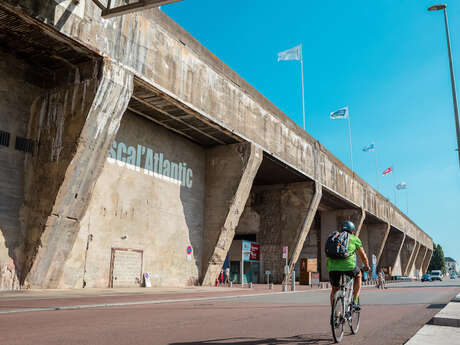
(343, 310)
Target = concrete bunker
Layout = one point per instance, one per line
(166, 149)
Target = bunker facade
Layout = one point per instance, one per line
(127, 147)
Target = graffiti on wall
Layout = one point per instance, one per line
(144, 159)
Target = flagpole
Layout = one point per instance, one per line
(376, 168)
(407, 201)
(349, 139)
(303, 92)
(394, 184)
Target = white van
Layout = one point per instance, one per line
(436, 275)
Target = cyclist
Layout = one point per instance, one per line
(348, 266)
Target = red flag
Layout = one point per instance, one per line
(386, 172)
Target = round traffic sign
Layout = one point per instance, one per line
(189, 250)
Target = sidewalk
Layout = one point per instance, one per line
(56, 299)
(444, 328)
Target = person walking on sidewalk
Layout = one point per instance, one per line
(381, 279)
(227, 275)
(221, 276)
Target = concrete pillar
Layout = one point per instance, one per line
(286, 213)
(410, 266)
(330, 222)
(374, 236)
(304, 229)
(387, 228)
(73, 127)
(360, 223)
(406, 254)
(426, 260)
(393, 245)
(230, 172)
(419, 260)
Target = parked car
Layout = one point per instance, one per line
(426, 278)
(436, 275)
(452, 276)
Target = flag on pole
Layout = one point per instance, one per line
(291, 54)
(370, 147)
(402, 185)
(339, 114)
(387, 171)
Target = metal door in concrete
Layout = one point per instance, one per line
(126, 268)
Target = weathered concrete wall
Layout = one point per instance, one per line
(16, 98)
(374, 237)
(282, 210)
(136, 206)
(163, 54)
(392, 248)
(230, 172)
(312, 245)
(73, 126)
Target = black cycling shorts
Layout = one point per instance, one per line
(334, 276)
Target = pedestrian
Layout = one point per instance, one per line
(381, 279)
(221, 276)
(227, 275)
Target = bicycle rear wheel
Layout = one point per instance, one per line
(337, 318)
(354, 320)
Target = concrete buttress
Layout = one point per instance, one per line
(304, 229)
(419, 260)
(406, 253)
(230, 172)
(393, 245)
(413, 256)
(359, 225)
(73, 127)
(373, 236)
(426, 260)
(286, 212)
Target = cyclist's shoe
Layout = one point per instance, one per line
(356, 307)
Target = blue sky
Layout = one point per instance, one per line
(387, 60)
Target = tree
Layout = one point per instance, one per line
(438, 262)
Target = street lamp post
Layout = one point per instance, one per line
(452, 79)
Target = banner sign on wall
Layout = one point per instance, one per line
(251, 251)
(374, 267)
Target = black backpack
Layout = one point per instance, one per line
(337, 245)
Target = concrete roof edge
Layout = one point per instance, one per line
(220, 67)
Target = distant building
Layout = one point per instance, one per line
(451, 265)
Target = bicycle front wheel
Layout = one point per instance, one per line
(354, 320)
(337, 318)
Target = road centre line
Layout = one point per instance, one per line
(120, 304)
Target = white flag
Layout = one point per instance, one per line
(339, 114)
(402, 185)
(291, 54)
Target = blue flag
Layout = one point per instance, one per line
(370, 147)
(339, 114)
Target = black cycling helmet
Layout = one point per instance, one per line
(348, 226)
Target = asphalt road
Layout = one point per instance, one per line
(391, 316)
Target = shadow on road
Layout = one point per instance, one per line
(436, 306)
(301, 339)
